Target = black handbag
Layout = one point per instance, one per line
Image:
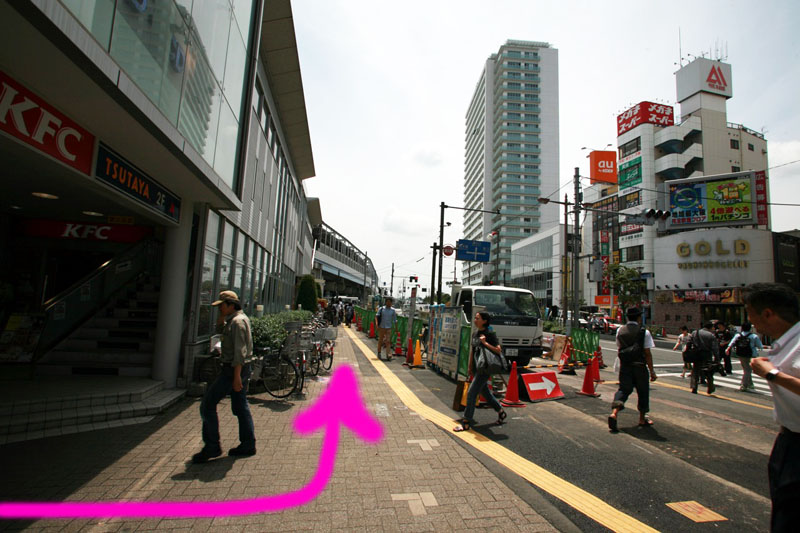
(488, 362)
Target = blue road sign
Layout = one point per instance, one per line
(475, 251)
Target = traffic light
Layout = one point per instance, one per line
(413, 279)
(651, 216)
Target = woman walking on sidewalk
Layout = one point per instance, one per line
(683, 340)
(486, 339)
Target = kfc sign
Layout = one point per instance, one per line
(603, 166)
(35, 122)
(56, 229)
(645, 113)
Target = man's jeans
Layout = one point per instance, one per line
(223, 386)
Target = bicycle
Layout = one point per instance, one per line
(276, 371)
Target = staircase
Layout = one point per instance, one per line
(53, 405)
(118, 340)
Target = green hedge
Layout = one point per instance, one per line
(269, 331)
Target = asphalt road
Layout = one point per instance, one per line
(708, 449)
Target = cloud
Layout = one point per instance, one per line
(428, 159)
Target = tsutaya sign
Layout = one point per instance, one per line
(35, 122)
(713, 258)
(704, 75)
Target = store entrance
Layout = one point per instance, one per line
(729, 314)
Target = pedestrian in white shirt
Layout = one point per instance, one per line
(774, 310)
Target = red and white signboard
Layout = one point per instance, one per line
(448, 250)
(761, 199)
(541, 386)
(57, 229)
(35, 122)
(645, 113)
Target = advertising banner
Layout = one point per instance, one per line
(35, 122)
(629, 200)
(723, 296)
(603, 166)
(449, 340)
(687, 202)
(645, 113)
(729, 201)
(630, 173)
(761, 199)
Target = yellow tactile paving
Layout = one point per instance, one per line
(575, 497)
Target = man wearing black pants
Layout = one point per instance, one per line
(635, 371)
(774, 310)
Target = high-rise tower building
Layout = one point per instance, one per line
(511, 153)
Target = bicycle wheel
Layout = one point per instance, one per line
(326, 356)
(280, 376)
(314, 361)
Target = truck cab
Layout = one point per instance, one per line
(516, 317)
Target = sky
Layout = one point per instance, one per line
(387, 86)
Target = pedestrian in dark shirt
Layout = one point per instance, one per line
(709, 347)
(724, 337)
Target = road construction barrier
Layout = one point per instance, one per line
(539, 386)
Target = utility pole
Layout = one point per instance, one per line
(575, 251)
(391, 284)
(433, 275)
(442, 207)
(367, 305)
(564, 263)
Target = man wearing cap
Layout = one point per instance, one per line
(633, 369)
(236, 356)
(386, 318)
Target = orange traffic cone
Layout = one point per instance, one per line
(566, 357)
(372, 330)
(512, 390)
(398, 349)
(595, 363)
(417, 358)
(588, 380)
(599, 354)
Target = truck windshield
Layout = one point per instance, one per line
(509, 303)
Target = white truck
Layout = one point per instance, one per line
(516, 317)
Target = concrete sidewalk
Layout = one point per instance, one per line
(416, 479)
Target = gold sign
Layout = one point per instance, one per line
(740, 247)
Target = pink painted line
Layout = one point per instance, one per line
(340, 403)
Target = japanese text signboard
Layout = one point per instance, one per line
(645, 113)
(727, 201)
(630, 173)
(35, 122)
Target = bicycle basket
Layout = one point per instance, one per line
(293, 326)
(329, 334)
(319, 334)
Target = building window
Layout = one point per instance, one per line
(630, 147)
(751, 147)
(734, 168)
(734, 144)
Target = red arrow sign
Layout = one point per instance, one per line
(541, 386)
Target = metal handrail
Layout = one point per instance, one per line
(72, 307)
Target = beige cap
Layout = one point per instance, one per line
(226, 296)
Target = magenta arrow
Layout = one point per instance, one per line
(340, 404)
